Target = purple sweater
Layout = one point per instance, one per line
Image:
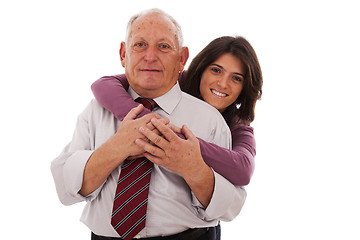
(236, 165)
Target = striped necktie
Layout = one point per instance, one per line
(130, 201)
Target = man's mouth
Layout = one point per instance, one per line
(149, 70)
(217, 93)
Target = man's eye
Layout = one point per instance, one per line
(164, 46)
(139, 44)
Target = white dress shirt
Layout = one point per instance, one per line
(172, 207)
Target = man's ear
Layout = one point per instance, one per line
(184, 55)
(122, 53)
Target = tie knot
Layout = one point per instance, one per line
(147, 102)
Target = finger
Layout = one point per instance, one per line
(164, 130)
(175, 128)
(163, 120)
(156, 131)
(140, 142)
(187, 132)
(149, 148)
(135, 156)
(153, 137)
(134, 112)
(146, 118)
(150, 126)
(153, 159)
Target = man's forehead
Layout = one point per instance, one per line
(153, 18)
(162, 30)
(153, 22)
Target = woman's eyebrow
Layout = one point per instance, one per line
(219, 66)
(239, 74)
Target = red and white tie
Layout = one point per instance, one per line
(130, 201)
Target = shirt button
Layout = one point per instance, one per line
(137, 236)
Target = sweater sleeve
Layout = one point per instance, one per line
(111, 93)
(236, 165)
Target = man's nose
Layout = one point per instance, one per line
(151, 54)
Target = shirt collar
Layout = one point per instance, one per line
(166, 102)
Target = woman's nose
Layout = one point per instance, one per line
(222, 82)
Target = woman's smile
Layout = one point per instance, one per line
(218, 93)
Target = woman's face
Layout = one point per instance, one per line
(222, 81)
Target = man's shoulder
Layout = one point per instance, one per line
(93, 105)
(198, 109)
(94, 110)
(199, 105)
(205, 121)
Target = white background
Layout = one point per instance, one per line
(305, 185)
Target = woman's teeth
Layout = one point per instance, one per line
(218, 93)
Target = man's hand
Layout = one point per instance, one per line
(114, 151)
(180, 156)
(176, 154)
(123, 142)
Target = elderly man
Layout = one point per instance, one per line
(129, 196)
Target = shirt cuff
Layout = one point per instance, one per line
(74, 172)
(221, 200)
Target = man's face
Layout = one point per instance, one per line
(151, 56)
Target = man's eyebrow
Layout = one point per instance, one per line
(219, 66)
(139, 38)
(172, 43)
(167, 40)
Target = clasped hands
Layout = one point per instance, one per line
(156, 139)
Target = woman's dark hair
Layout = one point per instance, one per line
(243, 109)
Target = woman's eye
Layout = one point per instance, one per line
(238, 79)
(215, 70)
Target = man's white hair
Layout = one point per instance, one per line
(179, 34)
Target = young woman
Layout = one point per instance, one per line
(227, 75)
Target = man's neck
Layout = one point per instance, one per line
(152, 93)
